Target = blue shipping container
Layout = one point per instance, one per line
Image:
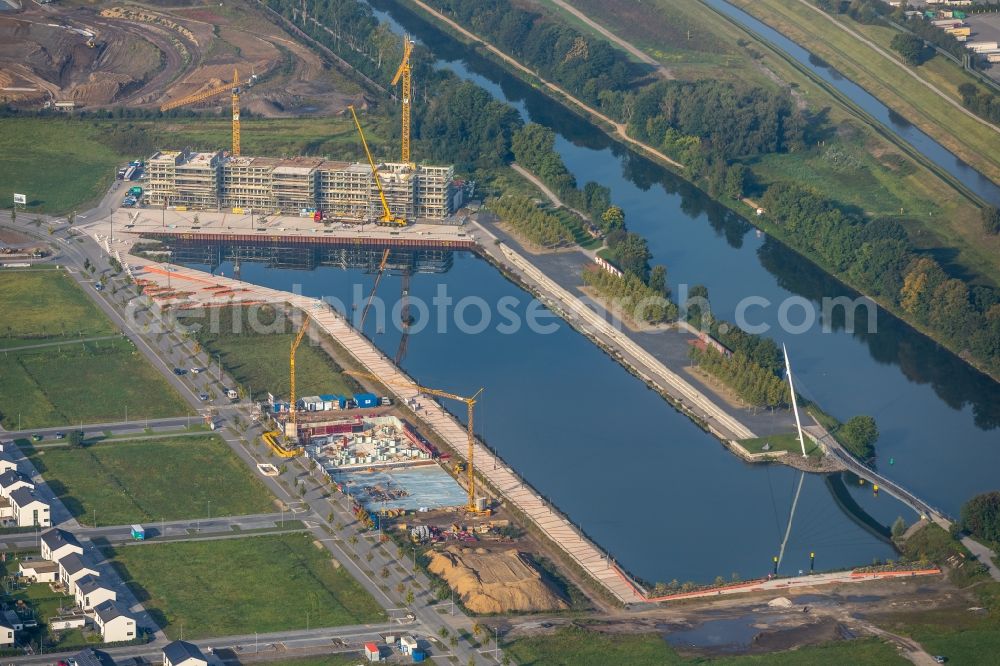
(366, 400)
(418, 656)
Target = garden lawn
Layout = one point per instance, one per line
(241, 586)
(138, 481)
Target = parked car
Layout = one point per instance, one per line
(180, 371)
(36, 437)
(203, 397)
(60, 435)
(195, 371)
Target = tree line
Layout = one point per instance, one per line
(587, 67)
(753, 384)
(639, 300)
(540, 226)
(533, 147)
(879, 259)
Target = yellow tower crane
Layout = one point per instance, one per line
(387, 217)
(291, 431)
(404, 73)
(208, 94)
(470, 403)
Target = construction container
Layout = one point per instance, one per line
(365, 400)
(963, 32)
(993, 57)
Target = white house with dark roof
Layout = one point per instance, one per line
(72, 568)
(182, 653)
(28, 509)
(7, 463)
(6, 635)
(92, 591)
(11, 480)
(38, 571)
(115, 623)
(58, 543)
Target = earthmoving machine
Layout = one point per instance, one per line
(470, 403)
(407, 92)
(234, 89)
(387, 219)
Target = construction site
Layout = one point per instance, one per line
(113, 54)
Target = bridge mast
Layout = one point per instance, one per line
(795, 406)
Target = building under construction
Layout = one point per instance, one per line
(338, 190)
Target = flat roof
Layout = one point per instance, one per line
(43, 566)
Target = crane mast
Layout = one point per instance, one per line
(233, 89)
(291, 375)
(387, 216)
(404, 73)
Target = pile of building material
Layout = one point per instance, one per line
(490, 582)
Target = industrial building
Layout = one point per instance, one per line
(266, 185)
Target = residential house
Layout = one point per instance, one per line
(39, 571)
(12, 480)
(7, 463)
(72, 569)
(115, 623)
(6, 635)
(91, 591)
(56, 543)
(182, 653)
(28, 509)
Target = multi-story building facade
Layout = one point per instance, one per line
(267, 185)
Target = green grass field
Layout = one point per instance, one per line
(152, 479)
(261, 361)
(59, 163)
(93, 382)
(89, 382)
(784, 442)
(64, 313)
(239, 586)
(574, 646)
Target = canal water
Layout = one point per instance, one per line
(938, 417)
(664, 497)
(642, 480)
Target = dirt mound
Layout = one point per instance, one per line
(495, 582)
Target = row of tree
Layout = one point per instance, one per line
(761, 351)
(583, 65)
(630, 295)
(715, 120)
(533, 147)
(878, 257)
(537, 225)
(981, 102)
(755, 385)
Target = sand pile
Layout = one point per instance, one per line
(495, 582)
